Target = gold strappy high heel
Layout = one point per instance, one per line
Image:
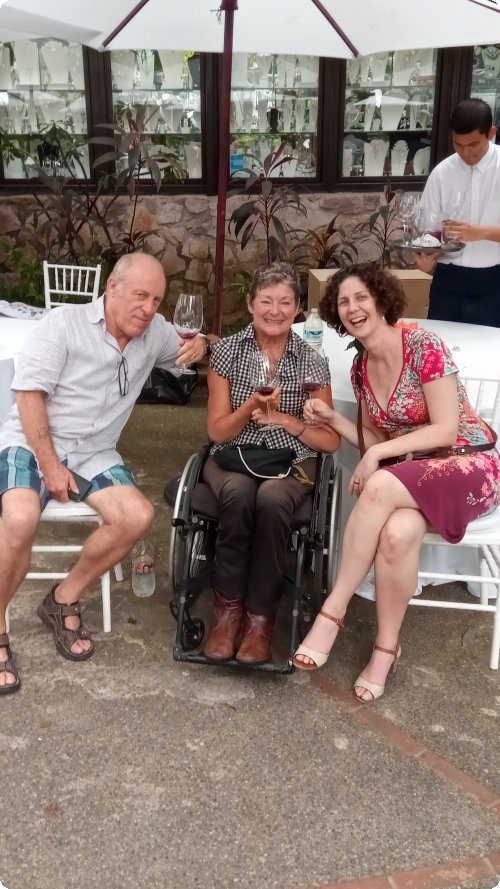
(375, 690)
(319, 658)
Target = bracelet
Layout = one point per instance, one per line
(208, 345)
(298, 434)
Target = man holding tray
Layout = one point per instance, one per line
(466, 284)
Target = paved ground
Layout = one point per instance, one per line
(131, 770)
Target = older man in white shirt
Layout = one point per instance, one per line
(76, 384)
(466, 285)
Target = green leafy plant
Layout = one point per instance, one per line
(78, 225)
(29, 275)
(267, 204)
(381, 230)
(327, 247)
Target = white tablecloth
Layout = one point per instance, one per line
(476, 352)
(13, 334)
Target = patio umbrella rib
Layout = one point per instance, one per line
(319, 6)
(128, 18)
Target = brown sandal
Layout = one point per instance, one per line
(8, 666)
(53, 614)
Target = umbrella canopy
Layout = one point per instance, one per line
(331, 28)
(274, 26)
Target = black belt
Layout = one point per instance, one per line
(439, 453)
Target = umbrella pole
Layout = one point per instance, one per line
(228, 7)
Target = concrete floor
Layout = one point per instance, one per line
(133, 771)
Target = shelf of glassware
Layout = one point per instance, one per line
(262, 117)
(27, 115)
(174, 115)
(387, 130)
(263, 110)
(248, 152)
(168, 110)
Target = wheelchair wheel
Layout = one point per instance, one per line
(332, 532)
(180, 515)
(322, 553)
(202, 544)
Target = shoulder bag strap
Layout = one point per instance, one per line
(359, 421)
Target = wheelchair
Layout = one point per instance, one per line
(313, 557)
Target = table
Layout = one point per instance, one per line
(13, 334)
(476, 352)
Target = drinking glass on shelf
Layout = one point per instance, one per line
(406, 211)
(188, 320)
(264, 379)
(312, 373)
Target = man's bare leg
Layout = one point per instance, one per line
(18, 526)
(127, 516)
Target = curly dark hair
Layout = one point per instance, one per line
(384, 287)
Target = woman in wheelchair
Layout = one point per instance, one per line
(430, 462)
(255, 514)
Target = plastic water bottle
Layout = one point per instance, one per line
(313, 330)
(143, 569)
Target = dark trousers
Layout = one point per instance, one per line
(465, 294)
(254, 525)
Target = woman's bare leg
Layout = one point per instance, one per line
(396, 575)
(382, 495)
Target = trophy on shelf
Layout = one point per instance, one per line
(286, 113)
(375, 154)
(262, 115)
(399, 154)
(273, 117)
(300, 114)
(346, 161)
(247, 109)
(312, 105)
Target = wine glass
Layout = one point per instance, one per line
(264, 379)
(188, 320)
(312, 373)
(453, 211)
(406, 211)
(429, 222)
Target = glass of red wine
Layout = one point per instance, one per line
(312, 373)
(188, 320)
(264, 379)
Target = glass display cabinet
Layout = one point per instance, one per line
(389, 106)
(167, 84)
(485, 82)
(274, 98)
(43, 114)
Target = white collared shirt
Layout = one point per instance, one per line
(75, 360)
(481, 185)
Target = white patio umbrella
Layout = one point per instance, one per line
(332, 28)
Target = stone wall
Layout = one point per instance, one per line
(182, 229)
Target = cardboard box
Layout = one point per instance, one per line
(416, 286)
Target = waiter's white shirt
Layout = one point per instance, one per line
(481, 186)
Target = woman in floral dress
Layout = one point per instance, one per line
(412, 402)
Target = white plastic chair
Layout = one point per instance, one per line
(70, 283)
(73, 512)
(482, 535)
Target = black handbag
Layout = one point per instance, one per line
(257, 461)
(163, 387)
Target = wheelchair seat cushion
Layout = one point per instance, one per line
(205, 503)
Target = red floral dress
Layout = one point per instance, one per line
(450, 492)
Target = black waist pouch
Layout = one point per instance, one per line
(256, 461)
